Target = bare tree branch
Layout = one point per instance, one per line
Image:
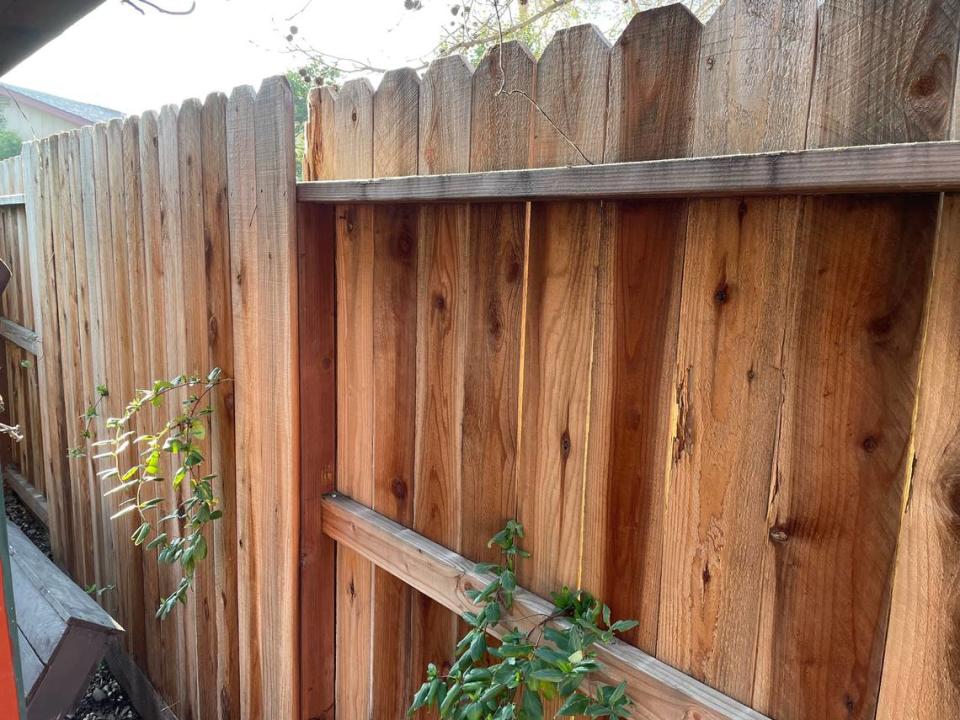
(135, 4)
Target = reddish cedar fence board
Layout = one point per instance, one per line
(712, 412)
(160, 245)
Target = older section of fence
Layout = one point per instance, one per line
(19, 328)
(708, 412)
(146, 248)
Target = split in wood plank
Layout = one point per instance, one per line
(900, 168)
(658, 690)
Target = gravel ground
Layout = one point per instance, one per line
(105, 699)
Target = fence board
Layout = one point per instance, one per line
(732, 324)
(145, 631)
(263, 263)
(172, 302)
(317, 305)
(353, 119)
(852, 356)
(920, 655)
(921, 651)
(652, 77)
(162, 669)
(43, 276)
(91, 339)
(564, 246)
(499, 139)
(200, 636)
(125, 569)
(84, 563)
(316, 228)
(440, 304)
(396, 129)
(221, 601)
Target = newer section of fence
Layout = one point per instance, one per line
(709, 412)
(143, 249)
(734, 419)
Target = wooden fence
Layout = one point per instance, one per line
(18, 376)
(733, 418)
(707, 411)
(143, 249)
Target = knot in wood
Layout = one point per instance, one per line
(778, 534)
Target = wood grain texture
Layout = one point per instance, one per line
(200, 637)
(659, 691)
(220, 602)
(851, 357)
(148, 632)
(52, 418)
(88, 246)
(653, 72)
(111, 363)
(755, 71)
(396, 130)
(320, 140)
(560, 313)
(20, 336)
(876, 169)
(317, 239)
(317, 304)
(353, 123)
(499, 139)
(267, 405)
(396, 121)
(555, 406)
(855, 55)
(441, 307)
(445, 111)
(81, 484)
(162, 667)
(921, 646)
(571, 91)
(920, 655)
(501, 117)
(756, 65)
(652, 77)
(172, 304)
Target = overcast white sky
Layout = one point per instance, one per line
(130, 62)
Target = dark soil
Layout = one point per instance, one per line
(105, 699)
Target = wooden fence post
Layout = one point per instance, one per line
(316, 248)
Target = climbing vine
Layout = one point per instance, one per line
(171, 525)
(552, 661)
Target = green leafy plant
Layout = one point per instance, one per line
(552, 661)
(175, 529)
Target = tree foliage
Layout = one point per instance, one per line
(301, 80)
(10, 142)
(553, 661)
(474, 26)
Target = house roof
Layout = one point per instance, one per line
(79, 112)
(25, 27)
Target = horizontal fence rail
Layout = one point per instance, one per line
(658, 690)
(20, 336)
(918, 167)
(13, 199)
